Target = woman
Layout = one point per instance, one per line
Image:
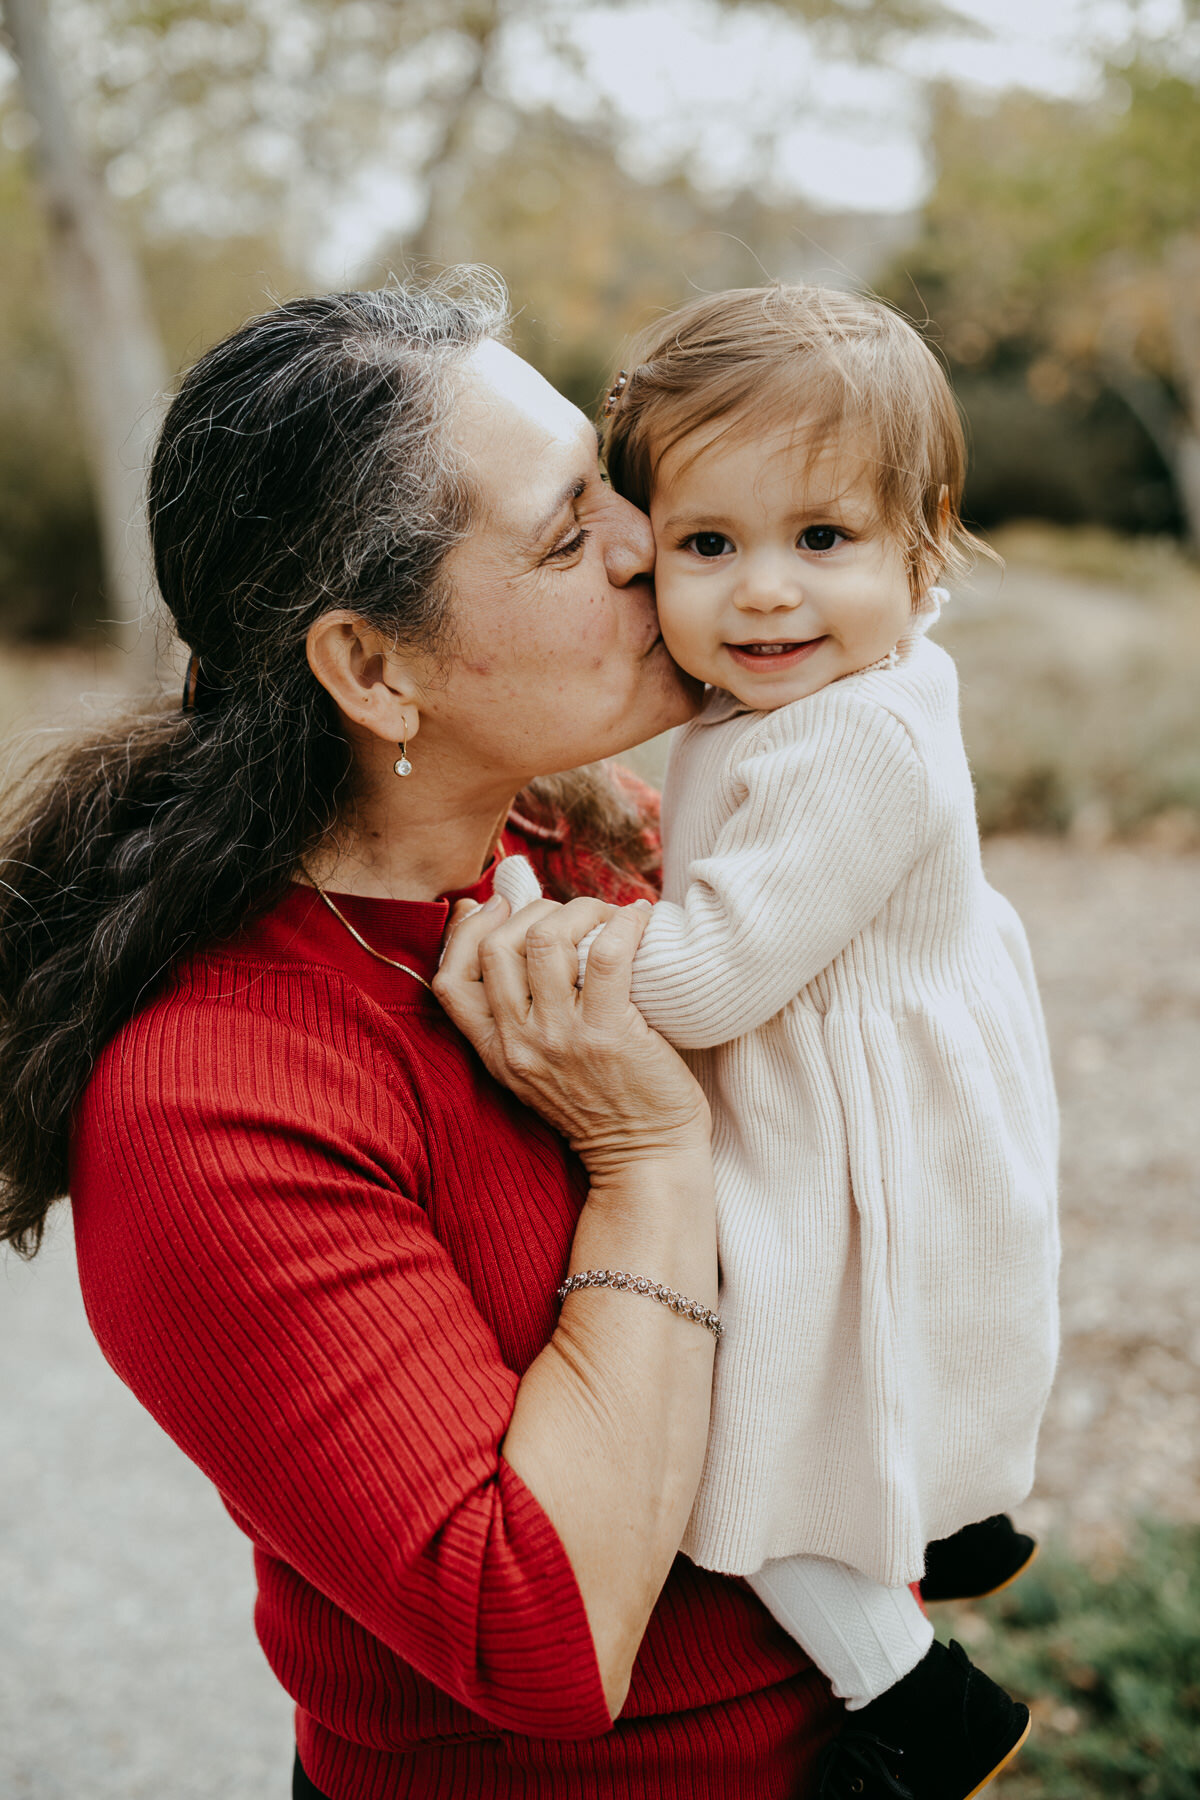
(316, 1236)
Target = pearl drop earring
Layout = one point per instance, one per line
(402, 766)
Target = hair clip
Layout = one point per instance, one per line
(614, 393)
(200, 693)
(191, 684)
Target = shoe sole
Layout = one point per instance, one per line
(956, 1599)
(1004, 1761)
(1009, 1579)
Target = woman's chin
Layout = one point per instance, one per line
(675, 698)
(683, 694)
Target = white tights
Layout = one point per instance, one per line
(864, 1636)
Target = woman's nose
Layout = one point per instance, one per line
(628, 542)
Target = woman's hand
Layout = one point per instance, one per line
(610, 1422)
(582, 1057)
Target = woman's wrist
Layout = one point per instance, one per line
(621, 1153)
(655, 1216)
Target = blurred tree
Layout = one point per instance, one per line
(219, 118)
(1068, 236)
(49, 555)
(111, 341)
(590, 252)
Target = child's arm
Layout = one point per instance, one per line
(830, 824)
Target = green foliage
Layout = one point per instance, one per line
(867, 27)
(1031, 196)
(1081, 459)
(1052, 265)
(622, 249)
(1109, 1663)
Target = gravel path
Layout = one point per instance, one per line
(1116, 938)
(130, 1670)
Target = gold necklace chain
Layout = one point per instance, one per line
(361, 940)
(500, 853)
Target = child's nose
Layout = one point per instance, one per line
(765, 587)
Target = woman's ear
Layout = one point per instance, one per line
(371, 683)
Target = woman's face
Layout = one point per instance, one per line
(556, 657)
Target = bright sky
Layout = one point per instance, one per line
(709, 85)
(849, 135)
(717, 87)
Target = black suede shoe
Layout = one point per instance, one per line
(940, 1734)
(978, 1560)
(859, 1766)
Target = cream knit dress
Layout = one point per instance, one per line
(860, 1008)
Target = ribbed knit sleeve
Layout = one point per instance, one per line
(260, 1268)
(831, 814)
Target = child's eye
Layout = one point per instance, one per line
(820, 537)
(709, 543)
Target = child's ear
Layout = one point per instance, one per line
(930, 562)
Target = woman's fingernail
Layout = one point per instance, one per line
(648, 904)
(495, 903)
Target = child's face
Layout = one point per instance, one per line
(773, 578)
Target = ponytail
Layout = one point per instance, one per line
(121, 856)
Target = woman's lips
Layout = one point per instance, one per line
(773, 656)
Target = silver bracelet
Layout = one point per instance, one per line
(654, 1290)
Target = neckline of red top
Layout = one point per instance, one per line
(409, 931)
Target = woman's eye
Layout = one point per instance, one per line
(820, 537)
(564, 552)
(709, 543)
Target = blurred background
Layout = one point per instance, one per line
(1022, 178)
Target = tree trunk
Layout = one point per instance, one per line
(113, 346)
(1183, 266)
(432, 243)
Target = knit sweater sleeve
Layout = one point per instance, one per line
(259, 1267)
(832, 813)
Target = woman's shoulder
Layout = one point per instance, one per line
(243, 1042)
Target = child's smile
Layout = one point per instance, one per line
(773, 576)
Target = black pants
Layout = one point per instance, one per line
(302, 1787)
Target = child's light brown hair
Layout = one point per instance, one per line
(834, 363)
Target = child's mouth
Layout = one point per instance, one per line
(776, 656)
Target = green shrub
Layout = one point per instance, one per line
(1109, 1663)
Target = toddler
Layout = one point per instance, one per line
(858, 1004)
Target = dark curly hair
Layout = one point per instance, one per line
(304, 463)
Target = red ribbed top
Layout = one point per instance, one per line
(321, 1245)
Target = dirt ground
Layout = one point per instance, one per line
(1116, 937)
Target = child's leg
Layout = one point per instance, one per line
(864, 1636)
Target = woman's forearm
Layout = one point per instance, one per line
(611, 1419)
